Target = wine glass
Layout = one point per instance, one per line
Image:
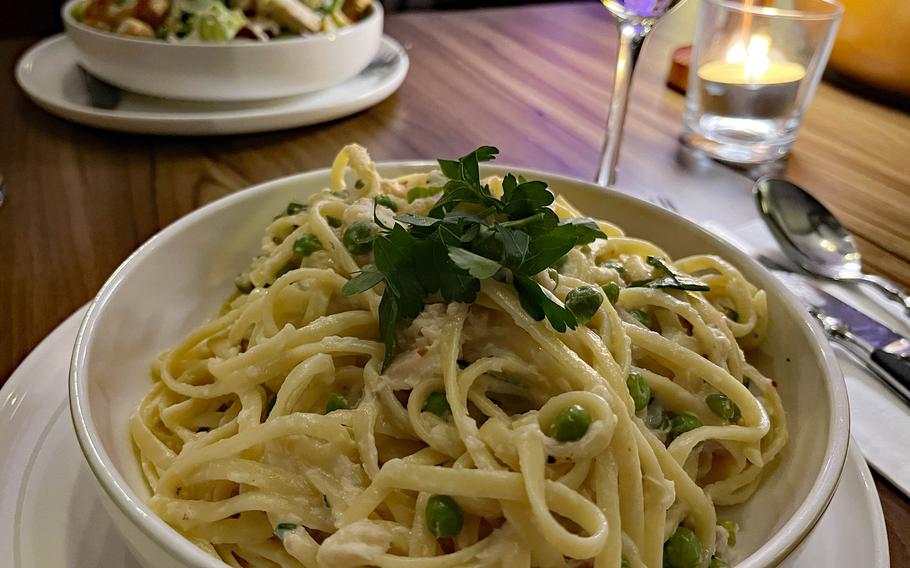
(635, 19)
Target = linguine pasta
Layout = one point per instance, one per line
(273, 437)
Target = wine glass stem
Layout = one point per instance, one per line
(631, 38)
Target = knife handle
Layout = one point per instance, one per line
(895, 365)
(893, 374)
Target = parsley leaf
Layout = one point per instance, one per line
(516, 245)
(544, 250)
(416, 220)
(363, 281)
(416, 193)
(388, 322)
(476, 265)
(665, 277)
(527, 198)
(542, 303)
(586, 230)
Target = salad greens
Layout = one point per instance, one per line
(220, 20)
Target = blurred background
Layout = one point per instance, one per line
(871, 55)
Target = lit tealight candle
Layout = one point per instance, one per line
(749, 83)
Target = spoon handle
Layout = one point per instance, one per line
(886, 287)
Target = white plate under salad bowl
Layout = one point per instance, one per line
(48, 73)
(179, 277)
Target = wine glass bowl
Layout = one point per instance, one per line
(630, 10)
(635, 19)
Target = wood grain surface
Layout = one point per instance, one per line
(533, 81)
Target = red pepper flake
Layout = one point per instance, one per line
(422, 351)
(773, 383)
(685, 325)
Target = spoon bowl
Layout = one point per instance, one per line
(813, 238)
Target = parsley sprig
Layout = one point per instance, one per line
(665, 277)
(469, 235)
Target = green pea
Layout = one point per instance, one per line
(583, 302)
(334, 222)
(619, 268)
(570, 424)
(386, 201)
(336, 402)
(682, 550)
(625, 563)
(294, 208)
(285, 269)
(283, 528)
(358, 239)
(682, 423)
(612, 291)
(722, 406)
(436, 403)
(639, 389)
(306, 245)
(717, 563)
(554, 275)
(642, 316)
(444, 517)
(243, 283)
(730, 527)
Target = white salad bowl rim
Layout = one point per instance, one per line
(787, 538)
(242, 43)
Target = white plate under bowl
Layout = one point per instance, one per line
(51, 514)
(49, 75)
(179, 277)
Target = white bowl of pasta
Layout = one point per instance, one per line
(215, 65)
(599, 408)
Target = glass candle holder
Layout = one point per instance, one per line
(754, 69)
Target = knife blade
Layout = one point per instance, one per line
(871, 331)
(882, 350)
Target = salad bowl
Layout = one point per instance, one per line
(222, 71)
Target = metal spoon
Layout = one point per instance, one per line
(814, 239)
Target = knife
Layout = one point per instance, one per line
(882, 350)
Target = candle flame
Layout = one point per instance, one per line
(753, 56)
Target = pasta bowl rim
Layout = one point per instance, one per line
(780, 544)
(68, 19)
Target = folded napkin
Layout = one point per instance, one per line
(879, 421)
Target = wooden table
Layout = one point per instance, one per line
(532, 81)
